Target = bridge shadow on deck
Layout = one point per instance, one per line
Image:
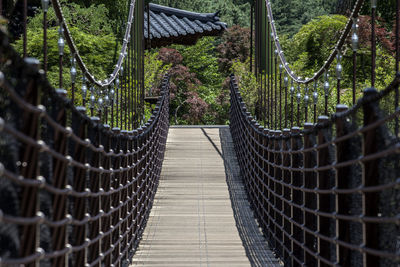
(256, 247)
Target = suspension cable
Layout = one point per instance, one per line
(74, 50)
(331, 57)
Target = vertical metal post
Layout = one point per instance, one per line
(124, 195)
(297, 196)
(106, 200)
(265, 205)
(287, 193)
(29, 235)
(59, 234)
(397, 43)
(280, 100)
(341, 200)
(292, 111)
(94, 186)
(310, 201)
(373, 44)
(45, 41)
(286, 105)
(135, 184)
(323, 200)
(354, 76)
(276, 91)
(136, 76)
(268, 72)
(370, 176)
(25, 21)
(278, 191)
(115, 197)
(79, 185)
(142, 57)
(251, 36)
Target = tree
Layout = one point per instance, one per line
(291, 15)
(234, 46)
(93, 36)
(183, 89)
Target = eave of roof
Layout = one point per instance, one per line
(170, 25)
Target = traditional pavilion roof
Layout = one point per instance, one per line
(175, 26)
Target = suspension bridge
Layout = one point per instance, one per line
(296, 181)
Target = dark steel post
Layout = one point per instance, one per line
(25, 21)
(251, 36)
(136, 183)
(373, 46)
(354, 75)
(370, 175)
(275, 114)
(341, 182)
(397, 43)
(94, 185)
(115, 197)
(45, 42)
(287, 196)
(310, 201)
(297, 196)
(106, 200)
(59, 234)
(324, 182)
(79, 185)
(265, 204)
(29, 234)
(278, 210)
(280, 100)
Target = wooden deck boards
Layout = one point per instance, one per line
(192, 222)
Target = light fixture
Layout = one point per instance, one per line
(45, 5)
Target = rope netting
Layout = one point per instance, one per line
(74, 191)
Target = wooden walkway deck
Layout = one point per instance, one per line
(201, 216)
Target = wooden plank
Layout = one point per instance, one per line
(192, 222)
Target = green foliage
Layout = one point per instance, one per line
(234, 46)
(92, 32)
(247, 83)
(310, 47)
(154, 71)
(118, 9)
(385, 9)
(196, 96)
(202, 60)
(92, 19)
(314, 42)
(290, 15)
(97, 51)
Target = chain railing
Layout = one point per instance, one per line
(73, 191)
(327, 194)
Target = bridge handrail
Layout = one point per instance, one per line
(74, 191)
(322, 195)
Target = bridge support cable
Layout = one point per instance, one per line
(73, 191)
(270, 56)
(122, 92)
(325, 194)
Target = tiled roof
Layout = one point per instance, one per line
(170, 25)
